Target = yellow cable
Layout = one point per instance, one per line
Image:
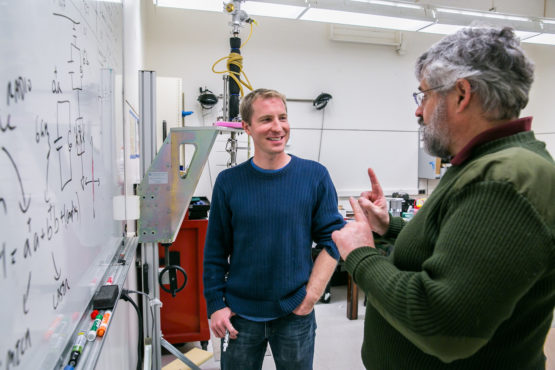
(250, 34)
(236, 60)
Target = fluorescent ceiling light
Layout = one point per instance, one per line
(390, 3)
(442, 29)
(272, 10)
(211, 5)
(363, 19)
(446, 29)
(544, 38)
(484, 15)
(523, 35)
(526, 29)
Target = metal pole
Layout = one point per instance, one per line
(183, 160)
(149, 251)
(225, 109)
(147, 111)
(232, 150)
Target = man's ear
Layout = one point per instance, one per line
(463, 92)
(246, 127)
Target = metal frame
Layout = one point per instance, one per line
(149, 251)
(166, 190)
(147, 112)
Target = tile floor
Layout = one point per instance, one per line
(338, 339)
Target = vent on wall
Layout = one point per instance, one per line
(368, 36)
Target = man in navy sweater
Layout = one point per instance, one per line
(260, 282)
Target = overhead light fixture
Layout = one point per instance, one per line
(251, 7)
(523, 35)
(273, 10)
(390, 3)
(450, 20)
(545, 38)
(483, 14)
(210, 5)
(363, 19)
(396, 15)
(442, 29)
(446, 29)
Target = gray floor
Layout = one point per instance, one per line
(338, 339)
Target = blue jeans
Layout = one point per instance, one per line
(291, 339)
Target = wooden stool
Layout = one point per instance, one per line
(352, 298)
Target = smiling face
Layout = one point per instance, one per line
(269, 129)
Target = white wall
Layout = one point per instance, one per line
(370, 120)
(542, 95)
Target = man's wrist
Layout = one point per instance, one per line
(312, 297)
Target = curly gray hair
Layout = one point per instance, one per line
(490, 59)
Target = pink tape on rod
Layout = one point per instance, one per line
(229, 124)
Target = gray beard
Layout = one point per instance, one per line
(436, 133)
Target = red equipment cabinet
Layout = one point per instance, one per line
(184, 317)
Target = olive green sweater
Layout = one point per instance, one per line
(471, 280)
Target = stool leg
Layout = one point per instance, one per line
(352, 299)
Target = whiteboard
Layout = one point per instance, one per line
(58, 169)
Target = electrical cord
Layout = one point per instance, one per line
(150, 305)
(237, 60)
(207, 99)
(140, 354)
(250, 33)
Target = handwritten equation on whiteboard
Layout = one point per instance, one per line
(58, 132)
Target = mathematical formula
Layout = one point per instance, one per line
(57, 181)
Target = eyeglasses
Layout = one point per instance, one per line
(420, 96)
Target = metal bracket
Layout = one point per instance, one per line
(166, 190)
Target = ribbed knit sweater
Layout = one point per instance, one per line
(471, 280)
(257, 255)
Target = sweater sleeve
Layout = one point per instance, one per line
(396, 224)
(217, 248)
(491, 248)
(326, 217)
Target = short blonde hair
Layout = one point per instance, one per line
(246, 104)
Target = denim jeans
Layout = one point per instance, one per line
(291, 339)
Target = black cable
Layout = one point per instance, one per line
(151, 310)
(140, 354)
(207, 99)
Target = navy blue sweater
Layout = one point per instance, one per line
(257, 256)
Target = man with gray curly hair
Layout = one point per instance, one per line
(471, 280)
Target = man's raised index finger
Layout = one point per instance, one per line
(376, 187)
